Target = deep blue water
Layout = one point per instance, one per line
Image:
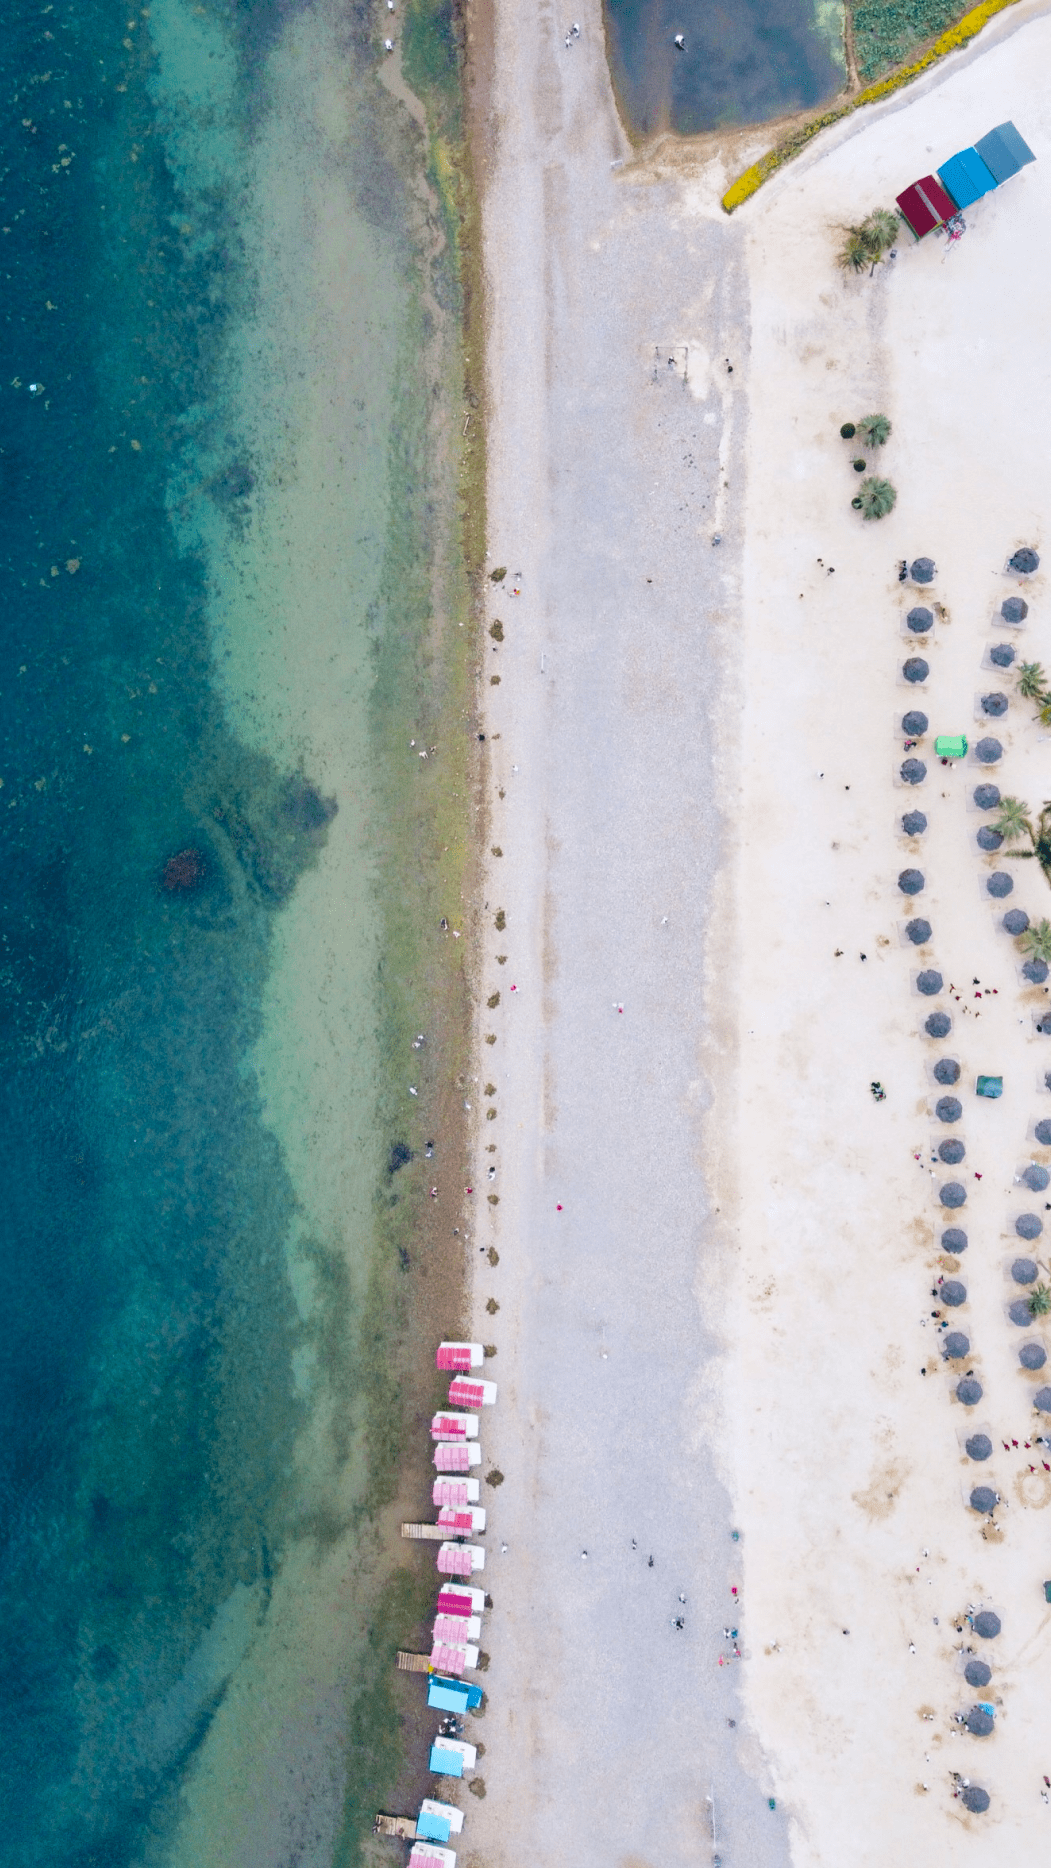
(146, 1413)
(744, 61)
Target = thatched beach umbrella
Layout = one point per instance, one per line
(988, 751)
(913, 771)
(1042, 1400)
(955, 1345)
(916, 669)
(987, 797)
(1036, 972)
(1020, 1313)
(988, 838)
(1000, 884)
(914, 823)
(1015, 921)
(1032, 1355)
(1025, 560)
(921, 570)
(954, 1240)
(979, 1446)
(1003, 653)
(978, 1672)
(938, 1025)
(919, 620)
(983, 1498)
(951, 1152)
(948, 1109)
(911, 882)
(1043, 1132)
(986, 1624)
(968, 1391)
(975, 1799)
(918, 931)
(952, 1293)
(979, 1722)
(1014, 609)
(947, 1070)
(995, 705)
(914, 723)
(1036, 1177)
(1024, 1271)
(930, 983)
(1029, 1225)
(952, 1194)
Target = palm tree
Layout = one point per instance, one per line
(1040, 1301)
(1012, 822)
(874, 431)
(1036, 941)
(1043, 712)
(876, 498)
(854, 255)
(882, 228)
(1032, 681)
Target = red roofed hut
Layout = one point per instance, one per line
(926, 205)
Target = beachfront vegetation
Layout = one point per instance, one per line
(874, 431)
(876, 498)
(759, 172)
(865, 244)
(1040, 1301)
(1032, 681)
(1013, 822)
(1035, 941)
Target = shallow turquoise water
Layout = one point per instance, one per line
(167, 797)
(744, 61)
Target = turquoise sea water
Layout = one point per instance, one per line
(744, 61)
(209, 314)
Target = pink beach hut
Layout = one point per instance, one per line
(462, 1521)
(455, 1660)
(457, 1357)
(465, 1602)
(429, 1855)
(450, 1426)
(460, 1559)
(468, 1391)
(457, 1630)
(452, 1456)
(454, 1492)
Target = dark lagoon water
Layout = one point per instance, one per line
(170, 1242)
(744, 61)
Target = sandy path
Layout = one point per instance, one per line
(725, 1322)
(606, 1727)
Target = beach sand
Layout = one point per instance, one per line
(716, 1250)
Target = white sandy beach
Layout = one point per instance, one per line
(716, 1249)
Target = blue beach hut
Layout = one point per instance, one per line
(452, 1695)
(966, 177)
(432, 1828)
(446, 1763)
(1004, 152)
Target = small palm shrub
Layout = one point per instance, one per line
(1036, 941)
(876, 498)
(1012, 820)
(1040, 1301)
(874, 431)
(865, 243)
(1032, 682)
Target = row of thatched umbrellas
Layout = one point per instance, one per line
(952, 1292)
